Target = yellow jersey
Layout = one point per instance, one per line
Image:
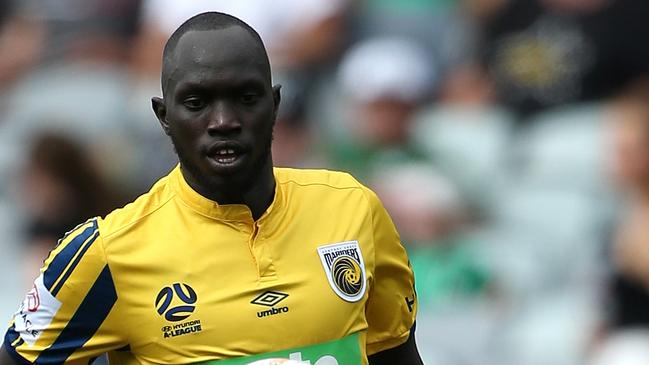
(175, 278)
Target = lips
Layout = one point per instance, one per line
(225, 153)
(225, 156)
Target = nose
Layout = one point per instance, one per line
(223, 120)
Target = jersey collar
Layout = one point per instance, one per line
(212, 209)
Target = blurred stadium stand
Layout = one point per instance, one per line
(485, 125)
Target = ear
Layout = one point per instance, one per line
(277, 97)
(160, 111)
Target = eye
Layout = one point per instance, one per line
(194, 103)
(248, 98)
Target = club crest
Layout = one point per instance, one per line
(345, 269)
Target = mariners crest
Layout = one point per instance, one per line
(345, 269)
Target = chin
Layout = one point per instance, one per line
(210, 173)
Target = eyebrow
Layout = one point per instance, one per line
(189, 86)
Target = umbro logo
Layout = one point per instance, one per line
(270, 299)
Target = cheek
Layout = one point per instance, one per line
(262, 136)
(262, 122)
(185, 142)
(186, 129)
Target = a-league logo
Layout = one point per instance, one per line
(182, 291)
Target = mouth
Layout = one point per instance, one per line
(225, 155)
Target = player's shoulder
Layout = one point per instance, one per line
(323, 184)
(140, 208)
(317, 177)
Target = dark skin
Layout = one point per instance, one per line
(406, 353)
(220, 106)
(219, 109)
(5, 359)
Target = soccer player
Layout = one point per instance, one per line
(226, 260)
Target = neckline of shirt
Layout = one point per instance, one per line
(212, 209)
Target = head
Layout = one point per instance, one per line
(62, 184)
(386, 80)
(218, 105)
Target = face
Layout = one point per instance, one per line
(219, 109)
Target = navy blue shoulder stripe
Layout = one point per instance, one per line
(10, 337)
(66, 275)
(60, 262)
(84, 323)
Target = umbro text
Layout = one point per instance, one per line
(272, 312)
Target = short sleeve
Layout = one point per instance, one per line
(391, 307)
(66, 316)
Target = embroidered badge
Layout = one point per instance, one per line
(345, 269)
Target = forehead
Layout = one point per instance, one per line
(224, 54)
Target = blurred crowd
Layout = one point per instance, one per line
(508, 139)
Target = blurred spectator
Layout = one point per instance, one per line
(297, 33)
(630, 137)
(45, 31)
(89, 68)
(61, 187)
(21, 39)
(429, 215)
(293, 136)
(384, 81)
(439, 26)
(545, 53)
(90, 30)
(83, 80)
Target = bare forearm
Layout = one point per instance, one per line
(404, 354)
(5, 359)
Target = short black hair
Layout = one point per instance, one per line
(206, 21)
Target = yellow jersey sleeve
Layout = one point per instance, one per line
(391, 306)
(66, 316)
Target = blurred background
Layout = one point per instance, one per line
(508, 139)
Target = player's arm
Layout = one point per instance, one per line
(392, 303)
(406, 354)
(67, 316)
(5, 359)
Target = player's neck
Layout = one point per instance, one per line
(261, 192)
(256, 192)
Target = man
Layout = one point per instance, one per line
(226, 260)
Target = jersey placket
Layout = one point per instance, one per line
(262, 253)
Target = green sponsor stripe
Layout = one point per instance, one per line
(345, 351)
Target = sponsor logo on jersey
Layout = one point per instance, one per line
(176, 313)
(342, 351)
(36, 312)
(33, 299)
(183, 328)
(176, 303)
(270, 299)
(345, 269)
